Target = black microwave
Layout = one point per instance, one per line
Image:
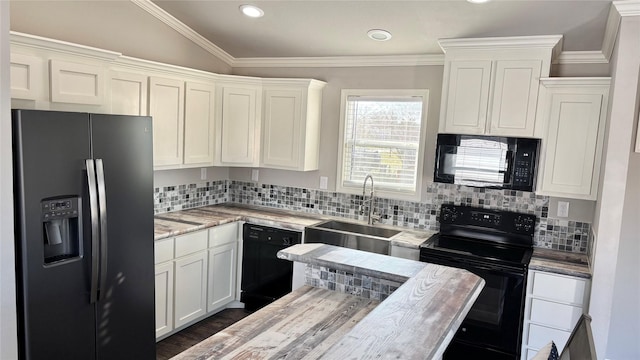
(487, 161)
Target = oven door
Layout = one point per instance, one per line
(493, 326)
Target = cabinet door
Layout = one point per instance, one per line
(281, 130)
(26, 77)
(164, 298)
(515, 96)
(573, 146)
(190, 288)
(465, 107)
(238, 126)
(76, 83)
(198, 124)
(166, 106)
(128, 93)
(222, 275)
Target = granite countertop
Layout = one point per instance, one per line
(560, 262)
(181, 222)
(313, 323)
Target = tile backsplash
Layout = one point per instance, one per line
(551, 233)
(364, 286)
(182, 197)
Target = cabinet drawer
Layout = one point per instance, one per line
(540, 336)
(163, 250)
(190, 243)
(553, 314)
(223, 234)
(559, 288)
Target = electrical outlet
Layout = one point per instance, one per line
(563, 209)
(203, 173)
(254, 174)
(323, 182)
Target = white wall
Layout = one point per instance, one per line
(188, 176)
(8, 330)
(614, 304)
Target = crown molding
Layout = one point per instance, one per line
(628, 7)
(342, 61)
(575, 81)
(581, 57)
(38, 42)
(184, 30)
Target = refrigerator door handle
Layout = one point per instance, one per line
(102, 204)
(95, 230)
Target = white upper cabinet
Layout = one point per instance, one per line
(128, 93)
(76, 83)
(490, 86)
(291, 124)
(199, 124)
(26, 77)
(574, 111)
(238, 122)
(166, 106)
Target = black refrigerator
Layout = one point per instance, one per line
(83, 189)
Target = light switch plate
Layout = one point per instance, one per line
(203, 173)
(563, 209)
(323, 182)
(254, 174)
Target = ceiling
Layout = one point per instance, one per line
(309, 28)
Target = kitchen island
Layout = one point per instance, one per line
(417, 321)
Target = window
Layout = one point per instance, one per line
(382, 133)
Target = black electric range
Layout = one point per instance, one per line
(497, 246)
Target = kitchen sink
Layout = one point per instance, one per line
(350, 235)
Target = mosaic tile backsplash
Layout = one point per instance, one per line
(355, 284)
(182, 197)
(551, 233)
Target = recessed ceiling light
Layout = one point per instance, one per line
(379, 34)
(478, 1)
(251, 11)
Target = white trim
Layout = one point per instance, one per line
(628, 7)
(38, 42)
(582, 57)
(610, 32)
(575, 81)
(342, 61)
(508, 42)
(184, 30)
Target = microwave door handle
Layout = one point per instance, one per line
(509, 160)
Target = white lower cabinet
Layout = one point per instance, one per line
(553, 306)
(195, 276)
(190, 288)
(222, 276)
(164, 298)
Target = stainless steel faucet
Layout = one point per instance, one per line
(371, 218)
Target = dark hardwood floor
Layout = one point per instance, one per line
(195, 333)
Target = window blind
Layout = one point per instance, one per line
(382, 138)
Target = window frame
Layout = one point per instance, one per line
(416, 193)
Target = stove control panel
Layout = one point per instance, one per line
(460, 216)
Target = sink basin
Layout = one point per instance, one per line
(354, 236)
(366, 230)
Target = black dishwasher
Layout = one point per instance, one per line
(265, 278)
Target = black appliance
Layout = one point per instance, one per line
(487, 161)
(497, 246)
(83, 186)
(265, 278)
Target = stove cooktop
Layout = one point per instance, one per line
(476, 249)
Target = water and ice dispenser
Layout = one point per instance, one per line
(62, 229)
